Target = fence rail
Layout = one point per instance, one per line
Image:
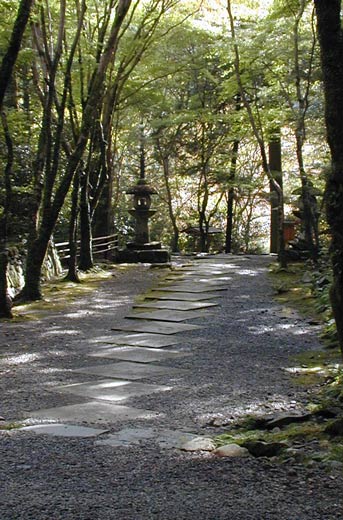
(100, 245)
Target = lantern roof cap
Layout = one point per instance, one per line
(141, 188)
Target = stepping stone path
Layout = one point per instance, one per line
(151, 333)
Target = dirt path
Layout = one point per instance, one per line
(228, 368)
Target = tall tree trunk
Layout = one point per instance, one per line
(12, 52)
(72, 274)
(231, 198)
(6, 69)
(166, 174)
(38, 246)
(5, 300)
(330, 33)
(86, 256)
(276, 171)
(257, 130)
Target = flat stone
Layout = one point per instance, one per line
(137, 354)
(166, 315)
(199, 444)
(211, 274)
(161, 327)
(175, 305)
(109, 390)
(231, 450)
(283, 419)
(222, 281)
(144, 340)
(192, 288)
(182, 296)
(167, 439)
(93, 412)
(128, 370)
(63, 430)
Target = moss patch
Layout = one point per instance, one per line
(59, 293)
(7, 426)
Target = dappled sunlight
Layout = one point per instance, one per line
(20, 359)
(59, 330)
(53, 370)
(332, 369)
(261, 329)
(290, 328)
(238, 411)
(248, 272)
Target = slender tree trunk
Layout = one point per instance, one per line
(12, 52)
(276, 172)
(72, 274)
(166, 174)
(6, 69)
(330, 33)
(37, 247)
(5, 300)
(257, 130)
(86, 256)
(231, 198)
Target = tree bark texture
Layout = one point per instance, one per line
(274, 147)
(230, 198)
(330, 34)
(11, 54)
(38, 246)
(86, 256)
(5, 300)
(72, 274)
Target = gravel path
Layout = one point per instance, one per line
(234, 367)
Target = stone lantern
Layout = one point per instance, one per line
(141, 202)
(141, 249)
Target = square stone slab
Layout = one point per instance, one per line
(167, 439)
(167, 315)
(212, 280)
(129, 370)
(192, 288)
(182, 296)
(144, 340)
(160, 327)
(138, 354)
(64, 430)
(109, 390)
(175, 305)
(201, 278)
(93, 412)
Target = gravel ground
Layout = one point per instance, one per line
(235, 367)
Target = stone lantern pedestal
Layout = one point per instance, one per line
(141, 249)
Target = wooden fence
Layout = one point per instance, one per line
(100, 245)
